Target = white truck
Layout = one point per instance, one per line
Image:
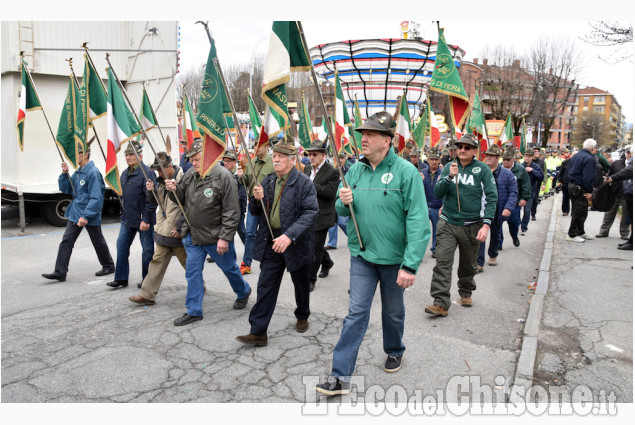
(141, 53)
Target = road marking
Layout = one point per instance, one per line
(614, 348)
(95, 282)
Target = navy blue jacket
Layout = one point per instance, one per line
(428, 185)
(507, 191)
(535, 177)
(88, 199)
(298, 211)
(134, 197)
(582, 170)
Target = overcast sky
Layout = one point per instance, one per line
(237, 41)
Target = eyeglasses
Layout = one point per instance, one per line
(463, 147)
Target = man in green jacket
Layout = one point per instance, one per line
(461, 223)
(392, 216)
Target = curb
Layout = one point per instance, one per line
(525, 369)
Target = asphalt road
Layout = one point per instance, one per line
(80, 341)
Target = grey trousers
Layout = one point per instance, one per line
(609, 217)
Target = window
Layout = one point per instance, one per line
(586, 99)
(598, 99)
(584, 109)
(598, 109)
(575, 109)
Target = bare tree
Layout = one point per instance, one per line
(611, 33)
(193, 81)
(591, 125)
(553, 65)
(239, 77)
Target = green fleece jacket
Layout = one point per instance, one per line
(474, 179)
(391, 211)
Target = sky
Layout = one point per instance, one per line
(238, 41)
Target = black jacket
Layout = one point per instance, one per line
(326, 182)
(137, 208)
(298, 211)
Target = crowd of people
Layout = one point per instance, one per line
(285, 205)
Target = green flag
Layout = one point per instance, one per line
(28, 101)
(445, 79)
(95, 92)
(65, 137)
(523, 138)
(211, 105)
(81, 114)
(357, 118)
(305, 127)
(508, 132)
(418, 135)
(476, 123)
(254, 116)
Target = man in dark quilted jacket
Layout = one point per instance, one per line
(291, 207)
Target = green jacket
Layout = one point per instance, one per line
(474, 179)
(391, 211)
(261, 169)
(522, 178)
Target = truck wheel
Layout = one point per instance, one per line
(53, 211)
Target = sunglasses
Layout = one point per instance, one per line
(463, 147)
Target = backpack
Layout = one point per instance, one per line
(603, 197)
(598, 179)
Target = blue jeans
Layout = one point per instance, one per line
(341, 222)
(433, 213)
(196, 255)
(241, 227)
(513, 222)
(126, 236)
(363, 282)
(250, 237)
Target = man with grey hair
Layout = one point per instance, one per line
(581, 176)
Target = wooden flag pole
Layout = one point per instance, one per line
(154, 115)
(242, 140)
(47, 121)
(330, 132)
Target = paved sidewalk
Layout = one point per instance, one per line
(586, 333)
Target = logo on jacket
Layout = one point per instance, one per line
(386, 178)
(476, 170)
(82, 182)
(208, 192)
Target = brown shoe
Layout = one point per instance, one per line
(255, 340)
(479, 269)
(466, 301)
(140, 300)
(302, 325)
(436, 310)
(492, 262)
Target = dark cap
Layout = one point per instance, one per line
(161, 160)
(415, 152)
(137, 147)
(409, 144)
(317, 145)
(468, 139)
(341, 155)
(493, 150)
(286, 146)
(508, 154)
(231, 155)
(81, 148)
(196, 147)
(381, 121)
(434, 154)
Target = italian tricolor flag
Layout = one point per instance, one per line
(435, 134)
(508, 132)
(402, 133)
(28, 101)
(342, 120)
(121, 127)
(272, 125)
(189, 123)
(146, 114)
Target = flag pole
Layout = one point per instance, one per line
(330, 133)
(47, 121)
(242, 140)
(134, 149)
(154, 115)
(70, 63)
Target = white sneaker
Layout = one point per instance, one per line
(575, 239)
(587, 237)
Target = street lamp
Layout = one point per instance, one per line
(592, 131)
